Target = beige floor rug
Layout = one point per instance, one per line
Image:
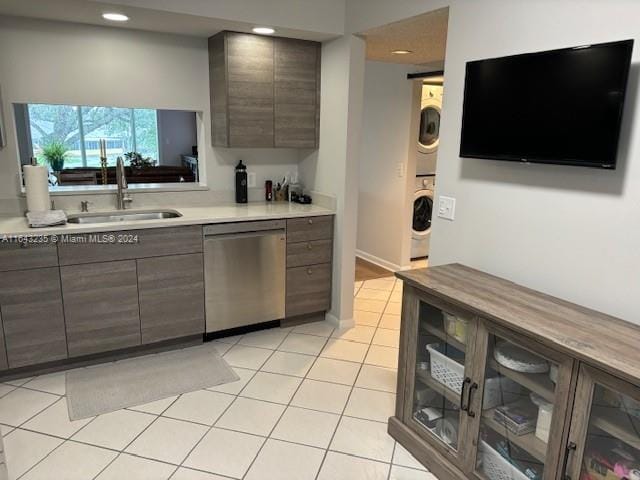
(135, 381)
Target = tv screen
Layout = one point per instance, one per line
(560, 106)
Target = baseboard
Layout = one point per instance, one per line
(339, 324)
(380, 262)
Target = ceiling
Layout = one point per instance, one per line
(90, 12)
(425, 36)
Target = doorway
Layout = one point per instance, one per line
(404, 88)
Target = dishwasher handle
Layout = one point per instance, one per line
(234, 236)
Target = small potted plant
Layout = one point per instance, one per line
(55, 154)
(138, 162)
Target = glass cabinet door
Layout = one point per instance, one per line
(605, 441)
(434, 409)
(518, 437)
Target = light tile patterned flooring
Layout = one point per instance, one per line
(311, 404)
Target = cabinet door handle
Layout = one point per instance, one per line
(309, 271)
(571, 447)
(311, 221)
(309, 246)
(473, 388)
(466, 382)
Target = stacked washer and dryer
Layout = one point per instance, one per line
(428, 140)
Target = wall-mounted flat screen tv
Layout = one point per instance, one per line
(559, 106)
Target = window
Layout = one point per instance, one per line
(81, 128)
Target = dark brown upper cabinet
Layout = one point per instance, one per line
(265, 91)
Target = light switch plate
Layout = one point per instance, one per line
(446, 207)
(251, 179)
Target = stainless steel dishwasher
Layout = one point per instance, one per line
(244, 273)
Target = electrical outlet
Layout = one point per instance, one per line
(447, 207)
(251, 179)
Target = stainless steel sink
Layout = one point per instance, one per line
(115, 217)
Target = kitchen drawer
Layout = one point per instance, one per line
(15, 256)
(309, 228)
(155, 242)
(308, 289)
(313, 252)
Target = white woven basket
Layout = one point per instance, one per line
(496, 467)
(450, 373)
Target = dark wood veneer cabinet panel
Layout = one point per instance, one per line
(218, 93)
(154, 242)
(32, 316)
(101, 307)
(309, 253)
(15, 256)
(171, 293)
(264, 91)
(250, 90)
(308, 289)
(296, 92)
(3, 351)
(309, 228)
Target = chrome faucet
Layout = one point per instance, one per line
(121, 198)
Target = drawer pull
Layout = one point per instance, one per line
(309, 246)
(309, 271)
(311, 221)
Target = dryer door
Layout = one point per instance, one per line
(422, 210)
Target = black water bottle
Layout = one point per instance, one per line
(241, 183)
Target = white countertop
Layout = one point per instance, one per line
(12, 226)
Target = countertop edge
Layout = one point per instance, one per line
(185, 220)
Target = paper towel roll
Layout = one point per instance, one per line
(36, 183)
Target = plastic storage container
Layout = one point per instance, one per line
(450, 372)
(496, 467)
(545, 414)
(456, 327)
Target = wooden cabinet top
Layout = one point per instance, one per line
(601, 340)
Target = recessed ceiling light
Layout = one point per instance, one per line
(263, 30)
(401, 52)
(115, 17)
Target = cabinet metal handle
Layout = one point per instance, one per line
(309, 246)
(466, 382)
(473, 388)
(571, 447)
(309, 271)
(311, 221)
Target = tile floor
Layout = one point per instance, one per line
(311, 403)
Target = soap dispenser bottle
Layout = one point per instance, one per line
(241, 183)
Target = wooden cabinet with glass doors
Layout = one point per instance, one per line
(482, 398)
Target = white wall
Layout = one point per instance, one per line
(570, 232)
(54, 62)
(177, 133)
(333, 169)
(385, 197)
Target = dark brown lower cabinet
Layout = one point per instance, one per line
(308, 289)
(498, 382)
(171, 291)
(101, 306)
(4, 364)
(32, 316)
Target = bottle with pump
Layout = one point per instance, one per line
(241, 183)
